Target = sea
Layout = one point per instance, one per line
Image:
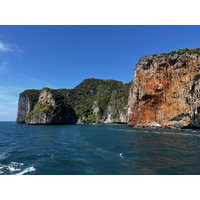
(97, 149)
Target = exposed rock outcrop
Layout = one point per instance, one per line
(51, 108)
(166, 92)
(117, 110)
(99, 101)
(92, 101)
(26, 103)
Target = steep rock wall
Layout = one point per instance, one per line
(99, 101)
(117, 110)
(26, 103)
(51, 108)
(93, 101)
(165, 92)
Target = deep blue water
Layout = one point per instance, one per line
(97, 149)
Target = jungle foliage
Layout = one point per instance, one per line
(179, 52)
(81, 99)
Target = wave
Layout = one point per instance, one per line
(29, 169)
(15, 167)
(10, 168)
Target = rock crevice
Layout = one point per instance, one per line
(165, 91)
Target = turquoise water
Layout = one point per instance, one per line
(96, 149)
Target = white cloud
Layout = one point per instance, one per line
(7, 47)
(4, 47)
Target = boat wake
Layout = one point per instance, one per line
(14, 168)
(29, 169)
(10, 168)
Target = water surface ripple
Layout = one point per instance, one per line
(96, 149)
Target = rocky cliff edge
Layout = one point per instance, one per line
(166, 91)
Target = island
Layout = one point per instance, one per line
(164, 93)
(92, 101)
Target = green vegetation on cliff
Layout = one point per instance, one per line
(46, 108)
(33, 96)
(83, 96)
(59, 111)
(91, 93)
(90, 118)
(179, 52)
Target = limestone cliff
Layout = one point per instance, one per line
(26, 103)
(51, 108)
(99, 101)
(117, 109)
(92, 101)
(165, 91)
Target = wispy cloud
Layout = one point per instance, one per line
(8, 47)
(4, 47)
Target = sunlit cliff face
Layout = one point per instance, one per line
(165, 92)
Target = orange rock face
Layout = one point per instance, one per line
(166, 92)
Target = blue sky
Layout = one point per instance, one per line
(63, 56)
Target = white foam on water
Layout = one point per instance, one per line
(14, 166)
(29, 169)
(11, 167)
(1, 167)
(15, 163)
(121, 155)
